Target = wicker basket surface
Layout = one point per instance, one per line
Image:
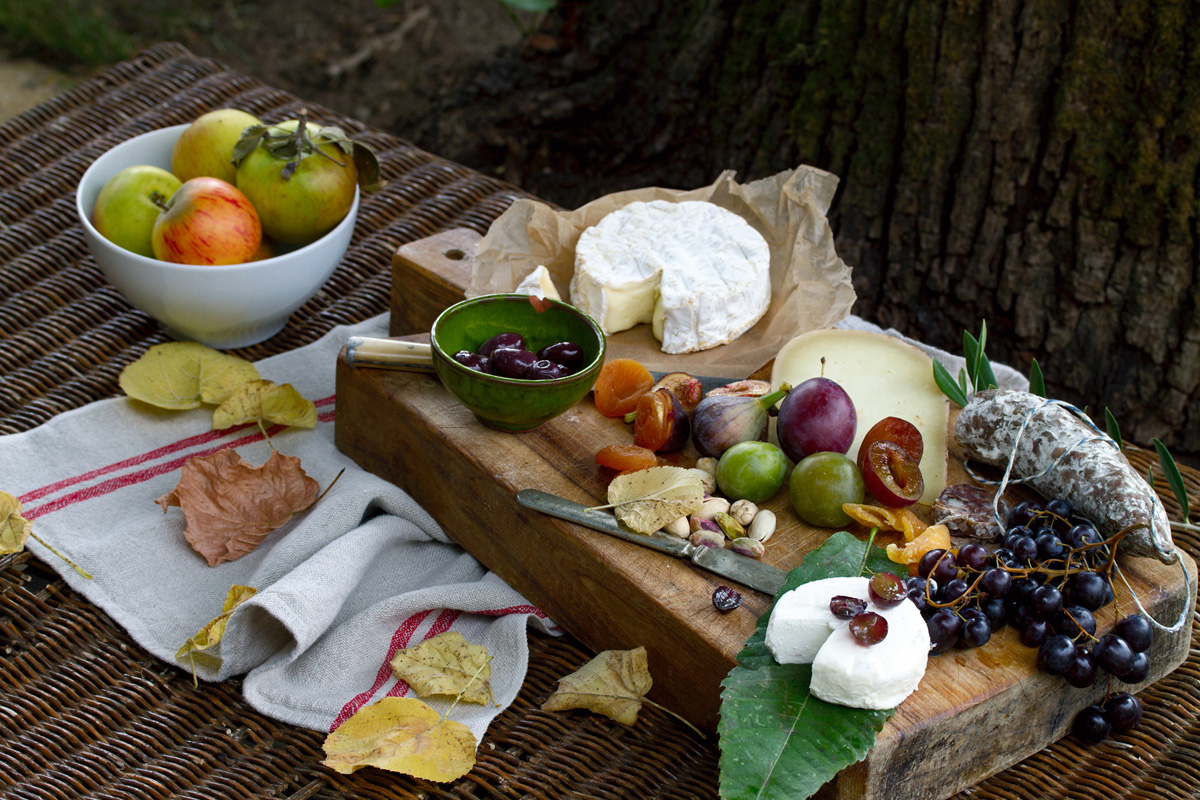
(85, 713)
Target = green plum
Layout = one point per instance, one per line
(751, 471)
(820, 484)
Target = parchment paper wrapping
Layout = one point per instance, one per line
(810, 285)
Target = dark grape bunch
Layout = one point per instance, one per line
(1047, 581)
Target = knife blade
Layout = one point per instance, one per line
(726, 563)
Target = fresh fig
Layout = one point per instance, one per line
(721, 421)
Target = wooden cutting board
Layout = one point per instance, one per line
(613, 594)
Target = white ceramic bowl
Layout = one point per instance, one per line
(223, 307)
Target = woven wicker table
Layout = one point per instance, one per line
(85, 713)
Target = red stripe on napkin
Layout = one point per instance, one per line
(399, 641)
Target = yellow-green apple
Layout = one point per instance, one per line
(126, 207)
(208, 221)
(300, 178)
(205, 148)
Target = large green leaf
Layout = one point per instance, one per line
(777, 741)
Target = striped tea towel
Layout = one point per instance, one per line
(341, 587)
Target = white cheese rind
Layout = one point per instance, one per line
(884, 377)
(801, 621)
(699, 273)
(538, 284)
(878, 676)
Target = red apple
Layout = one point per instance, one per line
(207, 221)
(205, 148)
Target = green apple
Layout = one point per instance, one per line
(205, 148)
(128, 206)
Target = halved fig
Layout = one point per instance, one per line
(687, 389)
(891, 475)
(746, 388)
(661, 423)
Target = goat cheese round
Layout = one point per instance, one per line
(802, 630)
(700, 274)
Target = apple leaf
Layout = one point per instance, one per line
(211, 633)
(14, 529)
(181, 375)
(650, 498)
(613, 684)
(446, 665)
(402, 734)
(230, 505)
(778, 741)
(262, 400)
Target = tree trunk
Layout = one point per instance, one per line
(1032, 164)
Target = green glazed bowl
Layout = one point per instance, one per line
(510, 404)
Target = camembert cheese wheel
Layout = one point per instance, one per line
(698, 273)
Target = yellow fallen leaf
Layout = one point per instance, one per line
(402, 734)
(613, 684)
(647, 499)
(263, 400)
(446, 665)
(900, 520)
(211, 633)
(179, 375)
(14, 529)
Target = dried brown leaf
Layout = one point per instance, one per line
(613, 684)
(446, 665)
(650, 498)
(230, 505)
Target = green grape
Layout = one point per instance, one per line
(820, 484)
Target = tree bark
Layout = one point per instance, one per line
(1032, 164)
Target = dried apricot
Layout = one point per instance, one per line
(626, 457)
(619, 385)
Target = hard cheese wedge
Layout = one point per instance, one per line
(885, 378)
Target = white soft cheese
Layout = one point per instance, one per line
(884, 377)
(801, 621)
(538, 284)
(698, 273)
(878, 676)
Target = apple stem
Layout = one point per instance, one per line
(159, 199)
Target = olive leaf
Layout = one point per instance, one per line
(1112, 428)
(945, 382)
(402, 734)
(1174, 479)
(262, 400)
(650, 498)
(182, 375)
(446, 665)
(613, 683)
(1037, 381)
(777, 741)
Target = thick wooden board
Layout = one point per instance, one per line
(975, 713)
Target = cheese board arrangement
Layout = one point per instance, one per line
(854, 537)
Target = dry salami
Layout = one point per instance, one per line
(1062, 456)
(970, 511)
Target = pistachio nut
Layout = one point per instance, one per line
(704, 525)
(748, 547)
(729, 526)
(703, 538)
(762, 526)
(679, 527)
(707, 480)
(743, 511)
(712, 506)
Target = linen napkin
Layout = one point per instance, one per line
(341, 587)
